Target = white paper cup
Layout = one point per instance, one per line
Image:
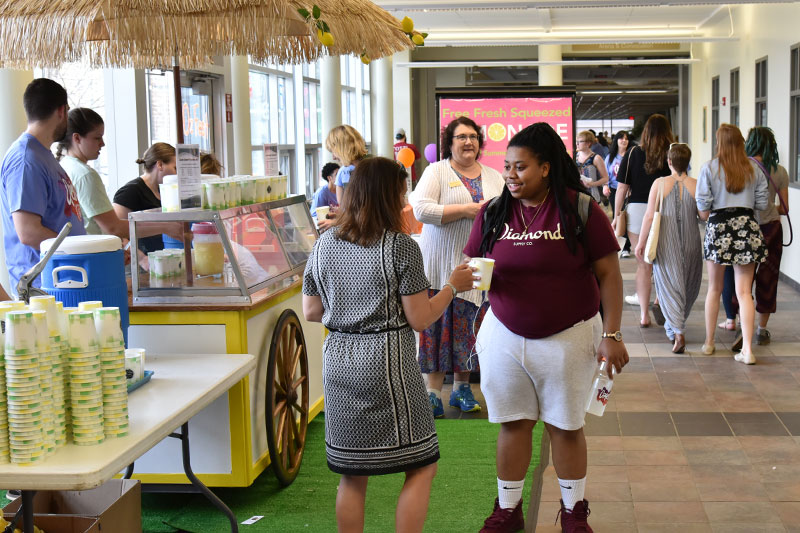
(90, 305)
(215, 194)
(322, 212)
(20, 332)
(485, 268)
(82, 332)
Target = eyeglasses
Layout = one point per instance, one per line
(582, 141)
(463, 138)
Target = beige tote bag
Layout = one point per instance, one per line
(652, 238)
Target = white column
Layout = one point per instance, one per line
(240, 94)
(12, 86)
(550, 75)
(401, 95)
(381, 100)
(299, 135)
(331, 100)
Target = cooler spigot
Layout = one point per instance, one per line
(24, 288)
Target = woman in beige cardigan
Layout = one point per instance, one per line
(446, 200)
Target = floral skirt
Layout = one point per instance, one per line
(448, 344)
(733, 237)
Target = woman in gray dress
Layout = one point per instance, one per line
(678, 266)
(365, 281)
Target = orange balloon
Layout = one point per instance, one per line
(406, 157)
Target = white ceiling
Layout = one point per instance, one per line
(467, 22)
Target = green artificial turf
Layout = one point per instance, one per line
(462, 497)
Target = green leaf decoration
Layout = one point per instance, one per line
(319, 26)
(424, 35)
(304, 13)
(316, 11)
(325, 27)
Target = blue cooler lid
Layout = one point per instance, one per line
(84, 244)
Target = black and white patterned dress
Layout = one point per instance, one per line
(377, 416)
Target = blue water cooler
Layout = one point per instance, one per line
(88, 267)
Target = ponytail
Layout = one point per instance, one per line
(82, 121)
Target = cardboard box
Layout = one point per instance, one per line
(117, 505)
(61, 524)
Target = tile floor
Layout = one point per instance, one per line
(694, 443)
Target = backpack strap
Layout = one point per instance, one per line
(584, 206)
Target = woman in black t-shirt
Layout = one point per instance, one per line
(640, 167)
(142, 193)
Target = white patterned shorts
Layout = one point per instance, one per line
(538, 379)
(733, 237)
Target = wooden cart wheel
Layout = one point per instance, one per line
(287, 397)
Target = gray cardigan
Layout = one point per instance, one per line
(712, 194)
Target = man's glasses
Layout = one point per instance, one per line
(463, 138)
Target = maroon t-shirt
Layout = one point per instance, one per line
(538, 287)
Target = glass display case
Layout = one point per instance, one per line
(234, 253)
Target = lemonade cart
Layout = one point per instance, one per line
(236, 288)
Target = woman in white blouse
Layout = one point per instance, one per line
(446, 200)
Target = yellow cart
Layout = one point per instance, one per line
(253, 306)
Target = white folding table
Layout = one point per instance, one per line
(180, 388)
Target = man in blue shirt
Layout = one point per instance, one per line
(326, 195)
(38, 197)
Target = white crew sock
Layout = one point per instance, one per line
(759, 329)
(509, 493)
(457, 384)
(572, 491)
(436, 392)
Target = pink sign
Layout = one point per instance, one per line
(501, 118)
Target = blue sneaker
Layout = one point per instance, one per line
(464, 400)
(436, 405)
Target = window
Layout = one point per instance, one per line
(735, 97)
(714, 113)
(84, 87)
(272, 117)
(761, 92)
(794, 118)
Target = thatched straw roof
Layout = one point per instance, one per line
(150, 33)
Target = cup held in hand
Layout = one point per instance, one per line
(484, 268)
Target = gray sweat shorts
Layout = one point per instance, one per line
(538, 379)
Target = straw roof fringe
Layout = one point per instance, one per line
(151, 33)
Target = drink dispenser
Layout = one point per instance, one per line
(208, 253)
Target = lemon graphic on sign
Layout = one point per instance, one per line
(497, 132)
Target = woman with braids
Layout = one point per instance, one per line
(762, 148)
(82, 143)
(641, 166)
(555, 263)
(730, 188)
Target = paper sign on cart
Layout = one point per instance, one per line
(188, 165)
(271, 163)
(252, 520)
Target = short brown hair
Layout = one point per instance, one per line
(679, 155)
(373, 201)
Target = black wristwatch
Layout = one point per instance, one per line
(616, 335)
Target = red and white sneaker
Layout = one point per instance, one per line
(575, 521)
(504, 520)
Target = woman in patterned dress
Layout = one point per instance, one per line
(446, 199)
(730, 188)
(365, 281)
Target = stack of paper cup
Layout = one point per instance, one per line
(112, 361)
(63, 328)
(56, 373)
(86, 381)
(42, 349)
(25, 435)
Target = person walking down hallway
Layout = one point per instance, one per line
(38, 198)
(640, 167)
(619, 147)
(348, 148)
(729, 189)
(762, 148)
(543, 336)
(678, 266)
(446, 200)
